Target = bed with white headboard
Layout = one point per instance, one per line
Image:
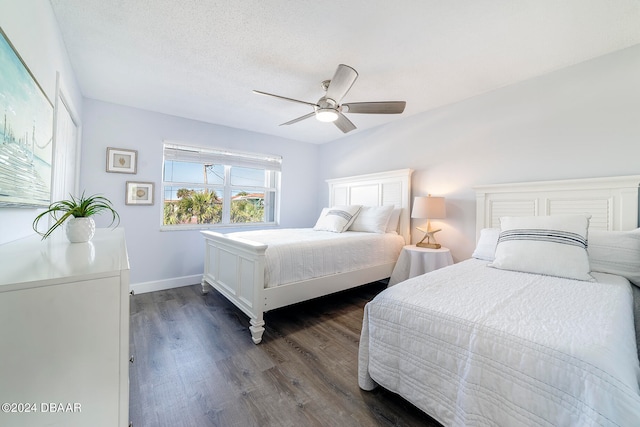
(521, 334)
(612, 202)
(236, 264)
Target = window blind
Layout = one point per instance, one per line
(205, 155)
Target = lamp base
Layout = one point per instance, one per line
(429, 245)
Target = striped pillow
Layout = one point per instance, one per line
(337, 218)
(552, 245)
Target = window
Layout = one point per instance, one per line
(209, 187)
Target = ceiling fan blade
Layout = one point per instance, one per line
(306, 116)
(391, 107)
(341, 82)
(344, 124)
(284, 97)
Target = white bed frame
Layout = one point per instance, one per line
(612, 202)
(235, 267)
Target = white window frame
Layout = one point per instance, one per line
(229, 158)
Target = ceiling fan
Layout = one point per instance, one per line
(329, 109)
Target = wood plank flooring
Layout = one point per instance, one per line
(195, 364)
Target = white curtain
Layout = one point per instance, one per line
(66, 153)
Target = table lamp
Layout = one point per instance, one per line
(428, 208)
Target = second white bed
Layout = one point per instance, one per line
(474, 345)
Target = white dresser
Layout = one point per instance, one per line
(64, 331)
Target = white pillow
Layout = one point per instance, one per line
(372, 219)
(616, 252)
(394, 219)
(551, 245)
(486, 247)
(337, 219)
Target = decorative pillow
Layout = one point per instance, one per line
(394, 219)
(551, 245)
(337, 218)
(486, 248)
(616, 252)
(372, 219)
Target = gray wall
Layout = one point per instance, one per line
(177, 256)
(582, 121)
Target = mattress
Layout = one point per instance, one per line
(298, 254)
(474, 345)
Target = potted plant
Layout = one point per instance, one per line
(77, 212)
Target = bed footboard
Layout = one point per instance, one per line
(235, 268)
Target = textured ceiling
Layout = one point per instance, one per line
(201, 59)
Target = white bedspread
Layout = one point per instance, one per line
(297, 254)
(473, 345)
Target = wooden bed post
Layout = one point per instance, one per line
(257, 329)
(205, 286)
(235, 268)
(254, 278)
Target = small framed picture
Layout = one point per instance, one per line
(139, 193)
(121, 161)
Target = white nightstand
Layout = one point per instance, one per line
(414, 261)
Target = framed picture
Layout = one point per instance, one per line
(139, 193)
(121, 161)
(26, 133)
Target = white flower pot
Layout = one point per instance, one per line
(80, 230)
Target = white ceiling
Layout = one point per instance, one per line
(200, 59)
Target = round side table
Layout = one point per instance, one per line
(414, 261)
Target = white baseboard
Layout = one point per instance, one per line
(160, 285)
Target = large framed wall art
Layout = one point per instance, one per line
(26, 133)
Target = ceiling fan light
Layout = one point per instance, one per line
(327, 115)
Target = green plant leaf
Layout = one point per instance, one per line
(81, 207)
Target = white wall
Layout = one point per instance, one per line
(164, 259)
(33, 31)
(582, 121)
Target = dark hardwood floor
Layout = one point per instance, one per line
(195, 364)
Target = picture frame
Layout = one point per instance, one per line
(26, 133)
(120, 160)
(139, 193)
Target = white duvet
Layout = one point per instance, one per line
(473, 346)
(296, 254)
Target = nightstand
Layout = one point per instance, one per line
(414, 261)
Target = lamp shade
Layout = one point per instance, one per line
(428, 207)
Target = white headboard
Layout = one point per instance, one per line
(612, 202)
(376, 189)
